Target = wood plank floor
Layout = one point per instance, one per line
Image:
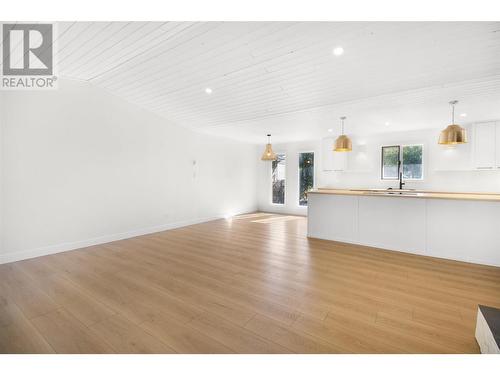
(251, 284)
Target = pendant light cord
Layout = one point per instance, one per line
(342, 123)
(453, 102)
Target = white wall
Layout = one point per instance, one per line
(81, 166)
(445, 169)
(1, 178)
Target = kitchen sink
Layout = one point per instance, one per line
(384, 190)
(410, 192)
(396, 192)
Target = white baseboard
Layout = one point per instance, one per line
(58, 248)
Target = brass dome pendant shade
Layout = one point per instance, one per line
(453, 134)
(268, 154)
(343, 142)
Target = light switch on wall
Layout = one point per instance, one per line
(195, 169)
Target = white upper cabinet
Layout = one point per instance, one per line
(331, 160)
(497, 143)
(339, 161)
(326, 157)
(486, 145)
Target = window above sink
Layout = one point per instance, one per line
(411, 158)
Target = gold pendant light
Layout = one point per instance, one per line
(453, 134)
(268, 154)
(342, 143)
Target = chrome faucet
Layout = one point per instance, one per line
(401, 183)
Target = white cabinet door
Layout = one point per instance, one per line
(326, 154)
(332, 217)
(331, 160)
(339, 161)
(484, 145)
(498, 145)
(463, 230)
(394, 223)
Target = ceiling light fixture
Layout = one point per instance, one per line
(208, 90)
(463, 115)
(330, 130)
(342, 143)
(268, 154)
(338, 51)
(387, 124)
(453, 134)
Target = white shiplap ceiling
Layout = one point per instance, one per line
(282, 76)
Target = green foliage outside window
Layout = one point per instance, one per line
(278, 179)
(306, 176)
(390, 160)
(411, 160)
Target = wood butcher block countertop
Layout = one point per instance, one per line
(411, 194)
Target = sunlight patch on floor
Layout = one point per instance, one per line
(277, 219)
(251, 216)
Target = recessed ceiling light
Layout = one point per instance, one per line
(338, 51)
(330, 130)
(387, 124)
(463, 115)
(208, 90)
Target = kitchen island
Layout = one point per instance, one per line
(458, 226)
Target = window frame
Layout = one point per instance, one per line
(382, 162)
(298, 174)
(271, 182)
(400, 158)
